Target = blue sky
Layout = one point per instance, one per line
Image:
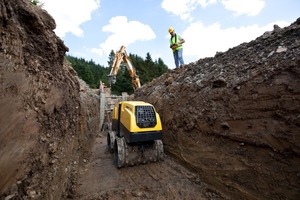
(92, 28)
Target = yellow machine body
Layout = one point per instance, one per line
(137, 121)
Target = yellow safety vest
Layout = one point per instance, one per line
(174, 40)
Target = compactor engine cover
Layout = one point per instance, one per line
(136, 134)
(137, 121)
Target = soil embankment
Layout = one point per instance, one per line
(233, 120)
(46, 126)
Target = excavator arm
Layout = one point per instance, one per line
(121, 56)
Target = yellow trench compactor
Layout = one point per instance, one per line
(135, 135)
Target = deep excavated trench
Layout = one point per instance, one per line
(231, 123)
(100, 179)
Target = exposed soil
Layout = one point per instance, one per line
(235, 118)
(100, 179)
(231, 123)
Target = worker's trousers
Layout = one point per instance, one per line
(178, 57)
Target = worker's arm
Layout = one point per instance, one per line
(181, 41)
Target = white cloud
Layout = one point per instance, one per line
(204, 3)
(70, 14)
(247, 7)
(123, 32)
(183, 8)
(204, 41)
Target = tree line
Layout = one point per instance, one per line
(93, 73)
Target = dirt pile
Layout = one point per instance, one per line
(46, 124)
(235, 118)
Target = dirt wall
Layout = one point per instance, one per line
(235, 118)
(46, 127)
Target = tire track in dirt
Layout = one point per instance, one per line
(100, 179)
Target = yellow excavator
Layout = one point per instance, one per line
(120, 56)
(134, 129)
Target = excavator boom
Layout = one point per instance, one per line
(121, 56)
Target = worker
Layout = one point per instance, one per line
(176, 42)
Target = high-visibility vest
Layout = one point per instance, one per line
(174, 40)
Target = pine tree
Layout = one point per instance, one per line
(92, 73)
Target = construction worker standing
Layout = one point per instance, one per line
(176, 42)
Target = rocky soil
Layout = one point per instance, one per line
(231, 122)
(46, 126)
(235, 118)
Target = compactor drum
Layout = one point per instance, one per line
(136, 133)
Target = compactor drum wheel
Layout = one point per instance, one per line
(130, 155)
(111, 135)
(119, 152)
(159, 149)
